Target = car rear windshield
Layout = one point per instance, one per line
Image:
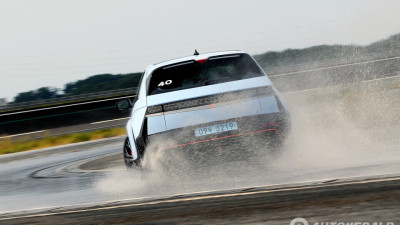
(203, 72)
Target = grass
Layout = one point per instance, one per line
(8, 146)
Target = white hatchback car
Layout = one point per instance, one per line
(204, 103)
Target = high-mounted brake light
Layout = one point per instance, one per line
(201, 61)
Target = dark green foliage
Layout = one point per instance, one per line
(325, 52)
(316, 53)
(93, 84)
(39, 94)
(102, 82)
(392, 43)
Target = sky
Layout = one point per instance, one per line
(53, 42)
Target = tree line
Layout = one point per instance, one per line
(92, 84)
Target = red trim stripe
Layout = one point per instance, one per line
(235, 135)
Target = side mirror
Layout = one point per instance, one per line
(124, 104)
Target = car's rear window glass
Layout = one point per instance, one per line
(193, 73)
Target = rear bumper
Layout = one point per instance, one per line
(258, 130)
(271, 132)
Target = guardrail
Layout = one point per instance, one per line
(67, 99)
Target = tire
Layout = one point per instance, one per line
(127, 153)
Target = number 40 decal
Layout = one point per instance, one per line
(167, 82)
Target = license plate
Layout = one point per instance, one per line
(218, 128)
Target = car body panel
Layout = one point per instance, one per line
(156, 124)
(212, 114)
(268, 104)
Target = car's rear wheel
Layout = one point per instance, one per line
(127, 153)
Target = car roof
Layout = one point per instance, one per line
(195, 57)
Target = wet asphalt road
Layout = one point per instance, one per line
(70, 185)
(375, 200)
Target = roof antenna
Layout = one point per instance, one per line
(195, 52)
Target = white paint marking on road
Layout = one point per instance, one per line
(208, 197)
(105, 170)
(364, 81)
(384, 78)
(15, 135)
(332, 67)
(293, 92)
(105, 121)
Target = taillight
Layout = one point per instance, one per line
(201, 61)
